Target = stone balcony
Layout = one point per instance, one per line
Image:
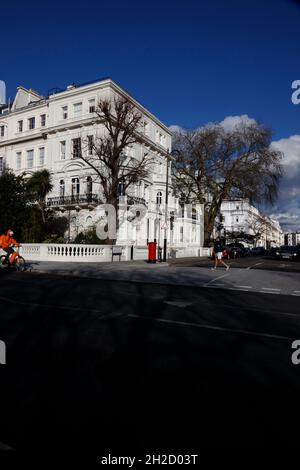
(77, 201)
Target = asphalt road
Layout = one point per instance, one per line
(97, 366)
(252, 262)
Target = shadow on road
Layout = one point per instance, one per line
(101, 366)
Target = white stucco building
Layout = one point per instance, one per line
(39, 132)
(239, 216)
(292, 238)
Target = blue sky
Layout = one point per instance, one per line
(190, 62)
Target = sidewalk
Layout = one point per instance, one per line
(264, 281)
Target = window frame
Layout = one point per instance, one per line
(92, 108)
(43, 120)
(77, 114)
(78, 150)
(18, 160)
(62, 156)
(31, 151)
(65, 112)
(41, 163)
(31, 123)
(20, 126)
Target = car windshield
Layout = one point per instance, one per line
(287, 248)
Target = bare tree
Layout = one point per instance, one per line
(212, 164)
(109, 156)
(259, 224)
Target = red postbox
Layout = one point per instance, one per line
(152, 252)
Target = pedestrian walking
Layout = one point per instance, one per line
(218, 253)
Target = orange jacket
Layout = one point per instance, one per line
(7, 240)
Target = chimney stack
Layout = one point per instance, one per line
(2, 93)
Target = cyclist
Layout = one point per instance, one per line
(6, 241)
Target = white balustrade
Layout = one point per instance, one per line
(68, 252)
(96, 253)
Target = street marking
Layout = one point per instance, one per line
(296, 291)
(211, 327)
(257, 264)
(244, 287)
(270, 288)
(212, 286)
(177, 303)
(215, 279)
(270, 291)
(238, 288)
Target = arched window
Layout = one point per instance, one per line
(89, 185)
(61, 188)
(159, 198)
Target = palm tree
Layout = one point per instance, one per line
(38, 186)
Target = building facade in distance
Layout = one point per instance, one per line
(292, 238)
(240, 217)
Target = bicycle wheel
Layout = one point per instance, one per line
(20, 263)
(2, 258)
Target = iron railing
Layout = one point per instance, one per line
(76, 199)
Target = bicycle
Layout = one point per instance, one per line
(19, 262)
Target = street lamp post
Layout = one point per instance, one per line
(166, 211)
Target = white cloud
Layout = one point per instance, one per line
(287, 207)
(231, 122)
(291, 150)
(174, 128)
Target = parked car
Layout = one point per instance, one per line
(258, 250)
(226, 253)
(237, 251)
(288, 252)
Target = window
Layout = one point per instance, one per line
(89, 185)
(1, 165)
(181, 234)
(75, 186)
(31, 123)
(92, 106)
(159, 198)
(1, 131)
(61, 188)
(63, 150)
(237, 208)
(90, 144)
(18, 160)
(64, 110)
(43, 120)
(121, 187)
(237, 219)
(77, 109)
(76, 148)
(29, 158)
(20, 126)
(42, 155)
